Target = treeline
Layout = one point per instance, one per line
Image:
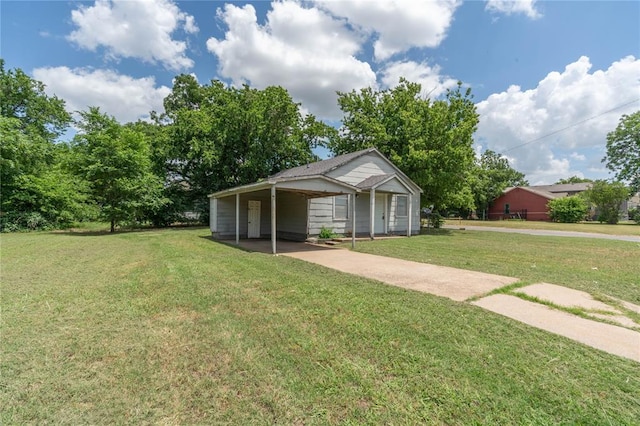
(212, 137)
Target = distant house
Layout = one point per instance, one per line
(530, 202)
(356, 194)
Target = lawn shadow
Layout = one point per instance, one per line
(438, 231)
(82, 232)
(264, 245)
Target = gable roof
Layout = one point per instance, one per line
(553, 191)
(322, 167)
(321, 170)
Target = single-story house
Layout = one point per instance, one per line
(356, 194)
(530, 202)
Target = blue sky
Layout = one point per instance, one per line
(534, 67)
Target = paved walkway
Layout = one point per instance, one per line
(550, 233)
(461, 285)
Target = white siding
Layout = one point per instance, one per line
(321, 214)
(361, 168)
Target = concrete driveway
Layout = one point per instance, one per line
(462, 285)
(456, 284)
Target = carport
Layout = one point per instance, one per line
(238, 211)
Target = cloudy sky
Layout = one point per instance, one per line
(550, 78)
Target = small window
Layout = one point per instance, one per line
(341, 207)
(401, 205)
(506, 209)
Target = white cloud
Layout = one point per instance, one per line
(522, 124)
(511, 7)
(433, 84)
(139, 29)
(397, 24)
(126, 98)
(303, 49)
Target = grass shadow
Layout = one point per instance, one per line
(84, 232)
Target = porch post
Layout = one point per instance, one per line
(213, 215)
(238, 218)
(372, 213)
(273, 219)
(386, 214)
(353, 220)
(409, 215)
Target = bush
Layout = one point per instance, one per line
(634, 214)
(436, 220)
(567, 210)
(325, 233)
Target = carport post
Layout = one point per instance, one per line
(409, 214)
(353, 220)
(273, 219)
(372, 213)
(238, 218)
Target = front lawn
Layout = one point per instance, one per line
(597, 266)
(167, 326)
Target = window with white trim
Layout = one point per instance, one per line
(401, 205)
(341, 207)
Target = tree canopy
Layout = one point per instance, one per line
(573, 179)
(219, 136)
(115, 162)
(36, 189)
(430, 141)
(607, 198)
(623, 150)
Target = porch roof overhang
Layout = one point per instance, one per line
(311, 186)
(378, 182)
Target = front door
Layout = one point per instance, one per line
(253, 225)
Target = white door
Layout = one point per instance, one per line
(253, 228)
(380, 217)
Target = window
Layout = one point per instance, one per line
(341, 207)
(506, 209)
(401, 205)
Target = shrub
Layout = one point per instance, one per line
(325, 233)
(436, 220)
(567, 210)
(634, 214)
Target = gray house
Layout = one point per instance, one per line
(361, 191)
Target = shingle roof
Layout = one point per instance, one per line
(564, 187)
(321, 167)
(371, 181)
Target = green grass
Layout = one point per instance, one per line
(169, 327)
(599, 267)
(622, 228)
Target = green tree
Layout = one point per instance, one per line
(623, 150)
(607, 198)
(573, 179)
(115, 161)
(567, 209)
(491, 176)
(430, 141)
(219, 137)
(36, 188)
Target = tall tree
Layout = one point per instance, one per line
(430, 141)
(223, 136)
(35, 186)
(623, 150)
(607, 198)
(491, 176)
(115, 161)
